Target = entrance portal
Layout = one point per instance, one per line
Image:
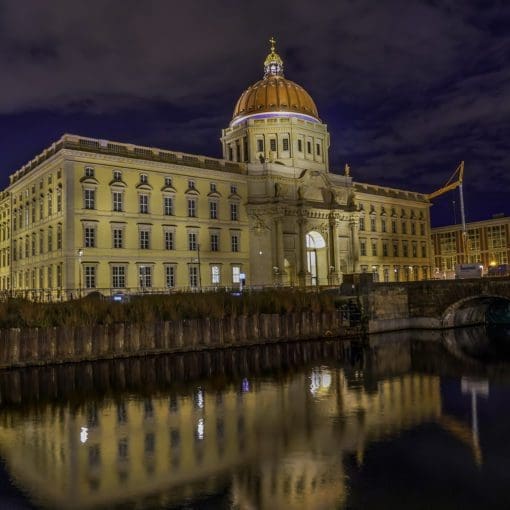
(315, 257)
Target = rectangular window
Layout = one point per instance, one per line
(215, 275)
(383, 225)
(300, 145)
(50, 239)
(423, 250)
(144, 239)
(309, 147)
(144, 179)
(318, 149)
(236, 274)
(118, 277)
(233, 189)
(192, 207)
(362, 223)
(170, 276)
(168, 206)
(59, 276)
(50, 277)
(413, 228)
(213, 210)
(374, 248)
(89, 273)
(117, 175)
(272, 144)
(191, 184)
(394, 226)
(144, 203)
(260, 145)
(168, 181)
(405, 249)
(59, 238)
(234, 212)
(33, 245)
(193, 277)
(90, 237)
(59, 204)
(372, 223)
(192, 241)
(404, 227)
(235, 242)
(41, 212)
(363, 248)
(89, 171)
(212, 187)
(285, 144)
(118, 238)
(89, 196)
(415, 250)
(169, 240)
(422, 229)
(41, 241)
(145, 276)
(117, 201)
(215, 242)
(395, 248)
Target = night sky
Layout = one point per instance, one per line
(407, 88)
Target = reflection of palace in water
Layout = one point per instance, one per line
(272, 440)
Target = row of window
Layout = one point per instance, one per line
(169, 239)
(44, 277)
(168, 180)
(89, 202)
(37, 243)
(25, 193)
(398, 273)
(395, 251)
(34, 211)
(384, 225)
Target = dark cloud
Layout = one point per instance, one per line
(408, 88)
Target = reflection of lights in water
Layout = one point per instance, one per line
(245, 385)
(84, 434)
(200, 428)
(200, 398)
(320, 379)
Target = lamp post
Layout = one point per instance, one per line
(80, 255)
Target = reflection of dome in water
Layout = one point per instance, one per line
(274, 93)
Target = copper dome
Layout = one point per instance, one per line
(274, 93)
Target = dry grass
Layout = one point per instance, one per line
(88, 311)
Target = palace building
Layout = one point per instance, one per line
(95, 215)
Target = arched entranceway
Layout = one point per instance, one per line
(316, 258)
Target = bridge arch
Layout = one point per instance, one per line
(474, 310)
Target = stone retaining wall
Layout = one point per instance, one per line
(41, 346)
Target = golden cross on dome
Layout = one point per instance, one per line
(273, 42)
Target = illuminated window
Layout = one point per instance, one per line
(236, 274)
(118, 277)
(215, 275)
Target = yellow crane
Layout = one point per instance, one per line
(455, 181)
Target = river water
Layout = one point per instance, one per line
(408, 420)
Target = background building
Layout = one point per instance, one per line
(91, 214)
(487, 244)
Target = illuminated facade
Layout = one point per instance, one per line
(90, 214)
(488, 243)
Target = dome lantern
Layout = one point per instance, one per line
(273, 65)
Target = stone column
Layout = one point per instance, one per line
(302, 268)
(333, 252)
(278, 254)
(353, 224)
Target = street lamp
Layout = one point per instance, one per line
(80, 255)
